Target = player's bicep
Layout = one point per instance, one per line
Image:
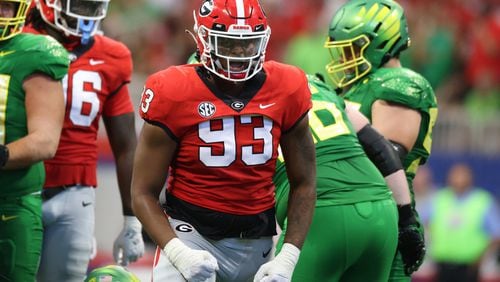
(357, 119)
(44, 108)
(396, 122)
(153, 156)
(299, 154)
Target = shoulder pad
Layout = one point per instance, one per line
(403, 86)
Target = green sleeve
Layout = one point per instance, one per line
(406, 88)
(54, 57)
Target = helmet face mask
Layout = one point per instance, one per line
(13, 25)
(376, 29)
(232, 39)
(74, 17)
(348, 60)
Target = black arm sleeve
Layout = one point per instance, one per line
(380, 151)
(4, 155)
(400, 150)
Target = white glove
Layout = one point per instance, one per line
(194, 265)
(129, 246)
(280, 269)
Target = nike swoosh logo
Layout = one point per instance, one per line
(265, 254)
(84, 204)
(5, 53)
(266, 106)
(5, 218)
(93, 62)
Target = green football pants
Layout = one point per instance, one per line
(20, 237)
(354, 242)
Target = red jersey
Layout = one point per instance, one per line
(95, 86)
(227, 146)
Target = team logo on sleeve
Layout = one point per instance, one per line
(206, 109)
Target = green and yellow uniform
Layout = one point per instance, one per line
(352, 201)
(407, 88)
(20, 202)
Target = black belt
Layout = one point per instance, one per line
(48, 193)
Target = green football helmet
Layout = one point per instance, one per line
(10, 26)
(111, 273)
(363, 35)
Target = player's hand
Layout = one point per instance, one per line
(129, 246)
(194, 265)
(280, 269)
(411, 242)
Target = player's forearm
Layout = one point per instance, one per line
(153, 219)
(399, 186)
(124, 176)
(387, 160)
(300, 158)
(31, 149)
(301, 205)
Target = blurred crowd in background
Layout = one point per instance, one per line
(455, 44)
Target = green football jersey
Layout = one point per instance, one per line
(20, 57)
(405, 87)
(336, 143)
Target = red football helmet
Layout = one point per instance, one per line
(74, 17)
(232, 36)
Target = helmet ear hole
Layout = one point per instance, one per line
(382, 45)
(360, 42)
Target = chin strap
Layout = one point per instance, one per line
(86, 27)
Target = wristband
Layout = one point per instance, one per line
(132, 221)
(406, 215)
(4, 155)
(173, 248)
(289, 253)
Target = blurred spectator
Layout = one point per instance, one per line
(289, 18)
(482, 102)
(484, 53)
(305, 48)
(482, 67)
(424, 188)
(306, 51)
(433, 41)
(464, 224)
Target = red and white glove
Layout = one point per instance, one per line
(280, 269)
(194, 265)
(129, 245)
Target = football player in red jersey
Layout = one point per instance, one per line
(96, 85)
(215, 128)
